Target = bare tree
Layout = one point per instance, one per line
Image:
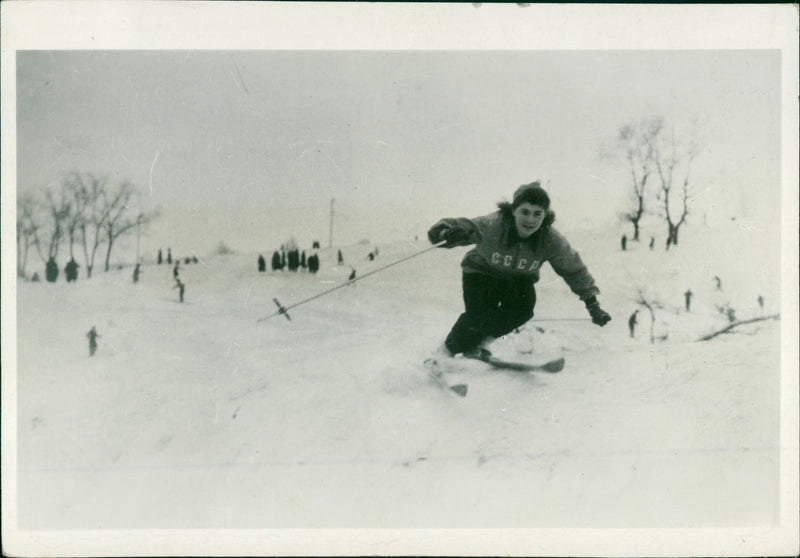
(650, 308)
(674, 164)
(118, 220)
(28, 225)
(74, 186)
(59, 208)
(636, 142)
(91, 226)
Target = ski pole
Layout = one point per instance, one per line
(562, 320)
(285, 310)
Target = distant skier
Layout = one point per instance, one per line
(624, 242)
(169, 255)
(352, 275)
(718, 282)
(652, 242)
(262, 264)
(176, 269)
(499, 274)
(160, 257)
(92, 335)
(340, 260)
(761, 302)
(136, 274)
(180, 286)
(688, 296)
(632, 322)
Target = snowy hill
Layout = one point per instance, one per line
(195, 415)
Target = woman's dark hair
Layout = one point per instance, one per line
(531, 193)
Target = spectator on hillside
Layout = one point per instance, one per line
(92, 335)
(160, 257)
(51, 270)
(632, 322)
(71, 270)
(313, 263)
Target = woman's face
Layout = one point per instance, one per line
(528, 218)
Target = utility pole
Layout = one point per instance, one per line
(330, 235)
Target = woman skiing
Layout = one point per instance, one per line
(499, 273)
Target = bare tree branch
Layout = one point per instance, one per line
(737, 324)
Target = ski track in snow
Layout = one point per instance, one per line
(195, 415)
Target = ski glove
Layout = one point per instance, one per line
(455, 236)
(599, 316)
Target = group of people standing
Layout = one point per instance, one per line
(293, 260)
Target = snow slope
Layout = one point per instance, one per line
(196, 416)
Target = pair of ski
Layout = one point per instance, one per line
(551, 367)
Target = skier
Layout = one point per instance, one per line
(499, 274)
(160, 257)
(169, 255)
(688, 295)
(718, 282)
(624, 242)
(340, 260)
(136, 274)
(179, 285)
(761, 302)
(175, 270)
(652, 242)
(262, 264)
(92, 335)
(632, 322)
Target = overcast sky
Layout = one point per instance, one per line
(456, 129)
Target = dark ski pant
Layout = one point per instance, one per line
(492, 308)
